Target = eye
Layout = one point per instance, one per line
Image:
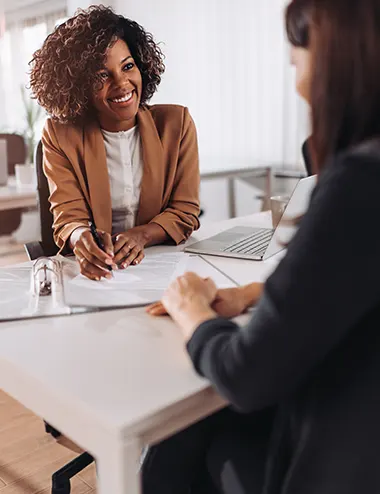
(128, 66)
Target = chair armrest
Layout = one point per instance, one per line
(34, 250)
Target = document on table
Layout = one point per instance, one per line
(138, 285)
(17, 300)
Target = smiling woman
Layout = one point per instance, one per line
(117, 106)
(109, 157)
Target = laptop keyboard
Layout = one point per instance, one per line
(254, 244)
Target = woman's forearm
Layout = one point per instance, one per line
(251, 293)
(153, 233)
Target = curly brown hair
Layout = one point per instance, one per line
(64, 71)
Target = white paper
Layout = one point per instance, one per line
(198, 265)
(139, 285)
(118, 278)
(136, 285)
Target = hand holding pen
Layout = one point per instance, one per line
(95, 253)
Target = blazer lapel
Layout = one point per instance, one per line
(97, 177)
(153, 180)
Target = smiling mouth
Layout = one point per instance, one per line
(123, 99)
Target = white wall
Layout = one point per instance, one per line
(73, 5)
(228, 62)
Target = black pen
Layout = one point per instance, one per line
(97, 239)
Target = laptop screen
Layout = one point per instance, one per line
(297, 206)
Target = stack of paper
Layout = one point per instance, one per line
(138, 285)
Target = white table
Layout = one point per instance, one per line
(13, 197)
(111, 381)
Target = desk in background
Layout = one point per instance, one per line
(113, 381)
(13, 197)
(257, 176)
(264, 178)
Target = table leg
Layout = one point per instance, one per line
(231, 197)
(117, 468)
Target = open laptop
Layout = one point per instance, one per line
(246, 242)
(3, 162)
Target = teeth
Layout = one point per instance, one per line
(127, 97)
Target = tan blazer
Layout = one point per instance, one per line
(76, 169)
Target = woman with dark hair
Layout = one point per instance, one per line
(303, 375)
(297, 20)
(109, 157)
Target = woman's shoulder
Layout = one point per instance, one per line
(54, 129)
(169, 115)
(360, 162)
(167, 111)
(351, 177)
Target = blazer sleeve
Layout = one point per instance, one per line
(180, 217)
(323, 288)
(68, 204)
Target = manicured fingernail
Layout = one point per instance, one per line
(109, 276)
(110, 253)
(109, 262)
(125, 265)
(135, 262)
(115, 267)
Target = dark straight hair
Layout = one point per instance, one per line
(345, 89)
(297, 22)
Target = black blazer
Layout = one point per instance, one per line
(312, 348)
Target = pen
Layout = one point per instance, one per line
(97, 239)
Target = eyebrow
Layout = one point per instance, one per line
(125, 59)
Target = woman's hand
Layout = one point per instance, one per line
(129, 247)
(94, 262)
(188, 301)
(229, 302)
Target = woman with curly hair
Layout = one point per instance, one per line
(109, 157)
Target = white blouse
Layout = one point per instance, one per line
(125, 171)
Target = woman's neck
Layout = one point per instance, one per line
(117, 126)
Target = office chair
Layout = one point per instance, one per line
(307, 157)
(47, 247)
(16, 153)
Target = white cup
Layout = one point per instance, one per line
(278, 205)
(25, 175)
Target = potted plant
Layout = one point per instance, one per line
(25, 174)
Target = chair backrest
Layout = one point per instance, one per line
(46, 218)
(16, 150)
(307, 157)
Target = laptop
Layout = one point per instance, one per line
(245, 242)
(3, 162)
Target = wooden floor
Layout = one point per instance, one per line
(29, 456)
